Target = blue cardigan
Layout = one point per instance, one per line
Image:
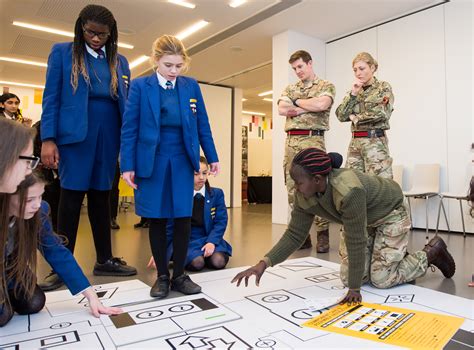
(141, 125)
(65, 112)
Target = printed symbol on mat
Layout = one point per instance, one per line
(307, 314)
(400, 298)
(275, 298)
(60, 325)
(265, 343)
(149, 314)
(181, 308)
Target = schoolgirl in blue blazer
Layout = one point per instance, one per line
(165, 125)
(83, 103)
(207, 246)
(30, 229)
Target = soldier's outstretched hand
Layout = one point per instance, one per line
(352, 297)
(256, 270)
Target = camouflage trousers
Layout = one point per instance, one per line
(371, 156)
(387, 262)
(293, 145)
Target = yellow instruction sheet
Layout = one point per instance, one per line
(387, 324)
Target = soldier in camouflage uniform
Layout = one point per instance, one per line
(357, 200)
(306, 105)
(368, 106)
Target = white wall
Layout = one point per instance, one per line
(28, 107)
(237, 149)
(427, 58)
(219, 108)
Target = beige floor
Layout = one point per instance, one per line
(251, 234)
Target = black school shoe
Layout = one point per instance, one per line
(51, 282)
(184, 285)
(114, 267)
(161, 288)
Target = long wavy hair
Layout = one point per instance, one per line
(101, 15)
(20, 265)
(14, 139)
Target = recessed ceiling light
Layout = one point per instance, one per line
(237, 3)
(21, 84)
(244, 99)
(57, 31)
(138, 61)
(265, 93)
(192, 29)
(253, 113)
(182, 3)
(268, 99)
(17, 60)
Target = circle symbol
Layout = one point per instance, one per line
(275, 298)
(146, 315)
(60, 325)
(181, 308)
(265, 343)
(305, 314)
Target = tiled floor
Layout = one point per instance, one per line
(251, 234)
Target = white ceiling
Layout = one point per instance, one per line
(241, 60)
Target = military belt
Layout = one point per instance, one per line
(369, 133)
(305, 132)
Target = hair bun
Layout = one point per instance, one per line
(336, 160)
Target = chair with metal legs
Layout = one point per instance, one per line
(425, 186)
(460, 197)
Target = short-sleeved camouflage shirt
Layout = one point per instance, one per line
(311, 120)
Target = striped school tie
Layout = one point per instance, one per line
(100, 54)
(169, 85)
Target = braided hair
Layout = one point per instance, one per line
(317, 162)
(101, 15)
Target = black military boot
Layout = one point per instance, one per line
(438, 255)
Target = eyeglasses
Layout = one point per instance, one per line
(91, 34)
(33, 161)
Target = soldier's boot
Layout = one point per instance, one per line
(322, 245)
(438, 255)
(307, 243)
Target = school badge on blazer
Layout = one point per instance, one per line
(125, 80)
(192, 104)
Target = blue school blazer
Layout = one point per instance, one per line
(215, 224)
(141, 125)
(58, 256)
(64, 117)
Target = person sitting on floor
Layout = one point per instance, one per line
(207, 247)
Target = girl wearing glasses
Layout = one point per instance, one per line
(16, 156)
(29, 229)
(165, 125)
(83, 103)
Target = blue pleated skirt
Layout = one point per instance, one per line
(168, 192)
(90, 164)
